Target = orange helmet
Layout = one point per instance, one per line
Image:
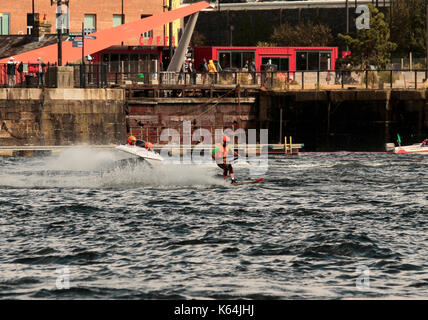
(149, 145)
(132, 139)
(226, 139)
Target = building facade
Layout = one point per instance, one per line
(285, 58)
(16, 17)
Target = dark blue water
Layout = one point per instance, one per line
(321, 225)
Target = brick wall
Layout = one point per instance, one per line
(104, 10)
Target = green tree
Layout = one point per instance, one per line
(408, 27)
(303, 34)
(371, 46)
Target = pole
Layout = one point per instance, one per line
(33, 22)
(170, 33)
(83, 71)
(83, 43)
(347, 22)
(426, 66)
(122, 17)
(58, 14)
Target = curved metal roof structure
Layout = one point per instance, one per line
(108, 37)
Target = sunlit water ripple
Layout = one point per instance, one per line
(307, 231)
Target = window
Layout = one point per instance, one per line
(147, 34)
(282, 63)
(90, 21)
(235, 59)
(325, 61)
(4, 23)
(313, 60)
(30, 22)
(224, 59)
(301, 63)
(117, 20)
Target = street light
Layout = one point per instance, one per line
(59, 27)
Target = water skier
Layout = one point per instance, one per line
(219, 154)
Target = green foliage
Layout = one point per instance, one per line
(384, 76)
(408, 28)
(303, 34)
(371, 46)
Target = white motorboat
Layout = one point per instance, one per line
(415, 148)
(135, 152)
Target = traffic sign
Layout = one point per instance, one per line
(75, 34)
(90, 37)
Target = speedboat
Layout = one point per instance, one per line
(139, 152)
(415, 148)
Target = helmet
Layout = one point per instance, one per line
(132, 139)
(148, 145)
(226, 139)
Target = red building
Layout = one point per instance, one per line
(285, 58)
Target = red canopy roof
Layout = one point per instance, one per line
(108, 37)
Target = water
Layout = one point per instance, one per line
(321, 225)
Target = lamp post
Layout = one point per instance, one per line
(170, 33)
(347, 22)
(426, 45)
(33, 20)
(122, 18)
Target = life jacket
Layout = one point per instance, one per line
(222, 152)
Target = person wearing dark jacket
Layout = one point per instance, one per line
(11, 70)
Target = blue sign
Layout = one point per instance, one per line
(87, 30)
(77, 44)
(90, 37)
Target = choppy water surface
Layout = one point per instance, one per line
(332, 225)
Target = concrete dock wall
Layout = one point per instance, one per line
(148, 117)
(61, 116)
(350, 120)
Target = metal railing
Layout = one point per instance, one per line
(25, 75)
(97, 75)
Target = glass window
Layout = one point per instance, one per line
(114, 62)
(284, 64)
(247, 56)
(133, 63)
(117, 20)
(90, 21)
(325, 61)
(124, 62)
(236, 60)
(313, 60)
(4, 23)
(301, 60)
(224, 59)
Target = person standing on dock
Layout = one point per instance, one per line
(41, 73)
(253, 69)
(212, 71)
(11, 69)
(203, 69)
(220, 155)
(192, 71)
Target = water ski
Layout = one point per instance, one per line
(247, 182)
